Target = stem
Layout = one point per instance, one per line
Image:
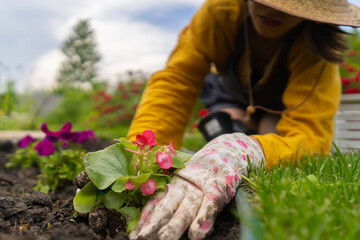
(140, 157)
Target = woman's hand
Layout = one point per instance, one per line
(199, 192)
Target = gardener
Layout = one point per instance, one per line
(274, 81)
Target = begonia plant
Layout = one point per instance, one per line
(125, 175)
(57, 155)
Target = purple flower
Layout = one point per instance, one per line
(45, 147)
(84, 136)
(24, 142)
(55, 136)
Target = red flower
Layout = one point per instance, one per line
(119, 118)
(195, 125)
(101, 92)
(139, 84)
(124, 95)
(345, 81)
(128, 115)
(357, 77)
(121, 87)
(107, 97)
(95, 98)
(350, 69)
(109, 109)
(352, 53)
(119, 106)
(135, 90)
(352, 90)
(203, 112)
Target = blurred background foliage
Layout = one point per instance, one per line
(90, 102)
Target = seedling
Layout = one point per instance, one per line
(125, 175)
(57, 155)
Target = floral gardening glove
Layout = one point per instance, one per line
(199, 192)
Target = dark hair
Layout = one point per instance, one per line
(326, 40)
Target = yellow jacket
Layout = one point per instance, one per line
(168, 99)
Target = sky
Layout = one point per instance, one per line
(130, 35)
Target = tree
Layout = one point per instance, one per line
(79, 67)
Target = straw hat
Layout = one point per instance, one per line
(338, 12)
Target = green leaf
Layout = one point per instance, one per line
(138, 180)
(128, 144)
(131, 224)
(180, 159)
(114, 200)
(130, 212)
(160, 180)
(119, 184)
(132, 216)
(104, 167)
(85, 200)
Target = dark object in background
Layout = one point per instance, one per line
(7, 146)
(218, 123)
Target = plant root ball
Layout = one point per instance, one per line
(98, 220)
(81, 179)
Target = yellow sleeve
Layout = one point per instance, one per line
(170, 94)
(308, 129)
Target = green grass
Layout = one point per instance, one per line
(317, 198)
(192, 142)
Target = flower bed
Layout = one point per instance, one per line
(33, 215)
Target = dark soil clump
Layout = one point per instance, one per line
(29, 215)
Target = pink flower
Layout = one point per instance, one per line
(145, 139)
(129, 185)
(24, 142)
(148, 187)
(172, 149)
(150, 137)
(164, 160)
(141, 140)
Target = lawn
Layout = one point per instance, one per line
(317, 198)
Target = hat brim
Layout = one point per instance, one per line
(346, 15)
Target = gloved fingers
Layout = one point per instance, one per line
(146, 211)
(184, 215)
(163, 210)
(210, 207)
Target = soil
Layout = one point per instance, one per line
(29, 215)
